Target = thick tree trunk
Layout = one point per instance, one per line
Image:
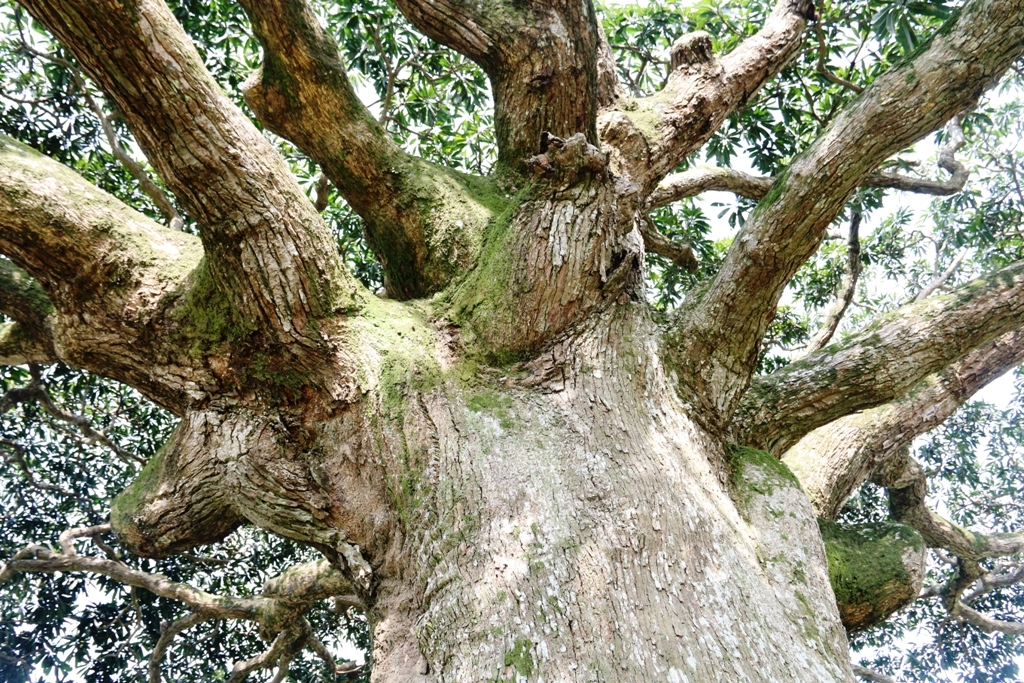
(594, 533)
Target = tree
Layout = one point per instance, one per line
(514, 463)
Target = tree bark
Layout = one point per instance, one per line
(529, 475)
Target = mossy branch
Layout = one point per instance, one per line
(882, 362)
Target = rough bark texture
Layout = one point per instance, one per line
(528, 476)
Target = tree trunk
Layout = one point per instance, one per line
(592, 532)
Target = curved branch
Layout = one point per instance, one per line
(832, 461)
(268, 248)
(717, 340)
(424, 222)
(168, 631)
(881, 362)
(675, 251)
(847, 288)
(907, 483)
(987, 623)
(709, 179)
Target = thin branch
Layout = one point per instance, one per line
(823, 68)
(676, 251)
(19, 460)
(871, 675)
(708, 179)
(986, 623)
(146, 184)
(847, 289)
(266, 659)
(942, 278)
(168, 631)
(37, 392)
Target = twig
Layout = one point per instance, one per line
(847, 288)
(823, 68)
(168, 630)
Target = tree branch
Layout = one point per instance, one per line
(542, 59)
(146, 184)
(709, 179)
(654, 134)
(907, 484)
(676, 251)
(424, 222)
(109, 271)
(880, 363)
(20, 347)
(279, 611)
(168, 631)
(268, 248)
(832, 461)
(717, 339)
(871, 675)
(847, 288)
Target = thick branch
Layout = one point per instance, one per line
(424, 222)
(718, 339)
(21, 347)
(882, 362)
(107, 269)
(542, 59)
(832, 461)
(268, 248)
(652, 135)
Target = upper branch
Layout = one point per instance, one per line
(700, 94)
(542, 59)
(705, 178)
(268, 248)
(880, 363)
(833, 460)
(424, 222)
(718, 338)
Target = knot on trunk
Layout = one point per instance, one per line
(564, 162)
(691, 49)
